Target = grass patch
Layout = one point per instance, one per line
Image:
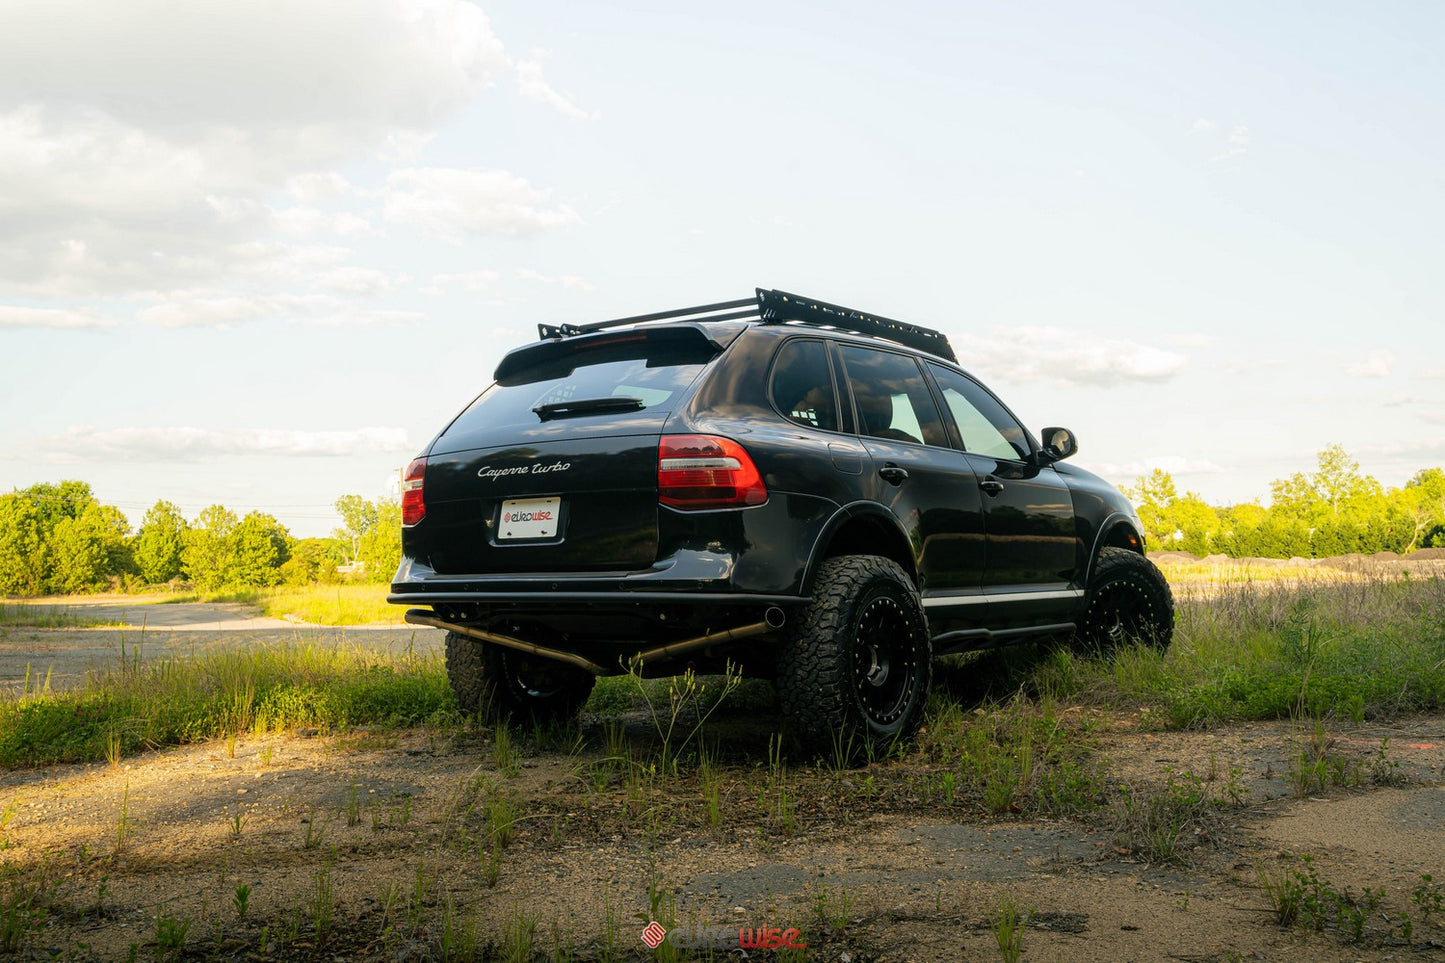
(23, 615)
(331, 604)
(259, 689)
(1356, 649)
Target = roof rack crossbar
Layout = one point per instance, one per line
(780, 306)
(703, 312)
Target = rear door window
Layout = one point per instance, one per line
(891, 398)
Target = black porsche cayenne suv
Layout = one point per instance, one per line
(800, 489)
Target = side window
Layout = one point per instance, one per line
(985, 426)
(802, 386)
(891, 397)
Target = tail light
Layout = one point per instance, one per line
(701, 471)
(413, 498)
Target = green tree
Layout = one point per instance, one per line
(312, 560)
(160, 544)
(87, 550)
(22, 546)
(259, 545)
(1336, 488)
(380, 548)
(359, 517)
(205, 558)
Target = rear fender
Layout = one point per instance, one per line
(862, 528)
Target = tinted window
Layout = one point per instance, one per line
(646, 373)
(802, 385)
(984, 425)
(891, 398)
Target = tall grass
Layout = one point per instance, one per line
(1357, 649)
(363, 604)
(256, 689)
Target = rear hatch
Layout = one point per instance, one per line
(554, 468)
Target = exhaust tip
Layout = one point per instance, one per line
(775, 617)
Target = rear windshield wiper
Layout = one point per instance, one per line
(587, 406)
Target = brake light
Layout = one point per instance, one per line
(701, 471)
(413, 499)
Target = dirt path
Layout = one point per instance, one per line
(64, 656)
(387, 827)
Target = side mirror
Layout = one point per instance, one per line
(1058, 444)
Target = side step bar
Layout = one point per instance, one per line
(773, 620)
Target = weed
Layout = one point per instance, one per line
(241, 900)
(1428, 896)
(264, 756)
(231, 745)
(504, 752)
(322, 903)
(782, 812)
(123, 825)
(170, 935)
(519, 937)
(1301, 898)
(686, 696)
(353, 804)
(314, 834)
(1008, 924)
(832, 908)
(1159, 824)
(236, 822)
(7, 816)
(609, 942)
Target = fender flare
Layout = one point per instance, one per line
(1107, 528)
(842, 517)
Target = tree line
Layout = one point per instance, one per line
(1334, 510)
(59, 539)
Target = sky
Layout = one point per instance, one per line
(258, 254)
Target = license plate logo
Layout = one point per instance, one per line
(529, 518)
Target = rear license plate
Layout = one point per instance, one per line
(528, 518)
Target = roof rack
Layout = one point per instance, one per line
(777, 307)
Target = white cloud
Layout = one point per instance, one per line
(1235, 144)
(1376, 364)
(473, 282)
(1173, 464)
(533, 86)
(571, 282)
(172, 443)
(159, 125)
(1057, 356)
(451, 203)
(359, 281)
(15, 316)
(1202, 126)
(218, 309)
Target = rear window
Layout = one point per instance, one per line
(592, 378)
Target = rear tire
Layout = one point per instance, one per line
(1128, 600)
(499, 683)
(857, 669)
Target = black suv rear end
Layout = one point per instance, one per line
(805, 491)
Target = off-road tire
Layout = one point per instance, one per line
(857, 667)
(1128, 600)
(499, 683)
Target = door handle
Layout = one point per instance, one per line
(991, 485)
(892, 474)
